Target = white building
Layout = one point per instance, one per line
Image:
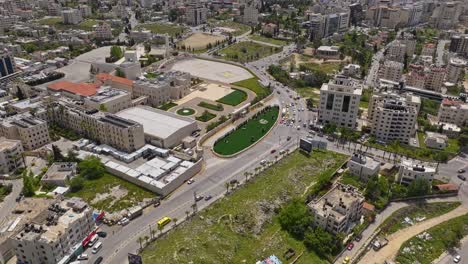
(352, 70)
(453, 111)
(33, 132)
(436, 140)
(86, 10)
(338, 208)
(72, 16)
(392, 70)
(103, 31)
(410, 171)
(108, 100)
(364, 167)
(53, 233)
(59, 173)
(328, 52)
(393, 117)
(11, 152)
(396, 52)
(339, 102)
(455, 70)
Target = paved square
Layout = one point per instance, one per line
(210, 91)
(212, 70)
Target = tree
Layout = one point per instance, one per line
(91, 168)
(102, 108)
(120, 73)
(140, 240)
(116, 52)
(29, 188)
(175, 221)
(76, 183)
(419, 187)
(20, 94)
(295, 218)
(72, 156)
(57, 153)
(320, 241)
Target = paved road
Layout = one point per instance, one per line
(9, 202)
(447, 258)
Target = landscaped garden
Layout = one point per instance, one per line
(248, 51)
(247, 133)
(167, 106)
(205, 116)
(254, 85)
(238, 28)
(234, 98)
(440, 238)
(185, 111)
(244, 227)
(415, 213)
(214, 107)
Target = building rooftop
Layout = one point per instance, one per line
(60, 171)
(156, 122)
(417, 166)
(6, 143)
(103, 77)
(106, 93)
(84, 89)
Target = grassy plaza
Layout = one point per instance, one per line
(234, 98)
(248, 51)
(247, 133)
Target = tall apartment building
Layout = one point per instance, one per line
(123, 134)
(396, 52)
(453, 111)
(31, 131)
(409, 40)
(72, 16)
(103, 31)
(428, 50)
(10, 155)
(171, 86)
(356, 14)
(7, 64)
(385, 16)
(338, 208)
(455, 70)
(446, 14)
(410, 171)
(85, 10)
(393, 117)
(392, 70)
(459, 44)
(339, 102)
(196, 14)
(54, 232)
(435, 77)
(250, 14)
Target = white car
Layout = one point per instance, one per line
(82, 257)
(190, 181)
(457, 259)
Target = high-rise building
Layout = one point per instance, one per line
(356, 14)
(393, 117)
(196, 14)
(435, 77)
(455, 70)
(392, 70)
(72, 16)
(103, 31)
(7, 64)
(10, 155)
(396, 51)
(339, 102)
(446, 14)
(250, 15)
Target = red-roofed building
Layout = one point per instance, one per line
(447, 187)
(74, 89)
(114, 81)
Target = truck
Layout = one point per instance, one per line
(134, 212)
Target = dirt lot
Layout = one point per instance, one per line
(199, 41)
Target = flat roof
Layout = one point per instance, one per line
(156, 122)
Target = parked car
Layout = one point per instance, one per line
(208, 197)
(273, 151)
(190, 181)
(124, 221)
(98, 260)
(350, 246)
(101, 234)
(358, 238)
(346, 260)
(82, 257)
(198, 197)
(461, 177)
(461, 171)
(457, 259)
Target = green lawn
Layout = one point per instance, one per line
(167, 106)
(242, 227)
(248, 133)
(254, 85)
(238, 27)
(246, 51)
(327, 67)
(349, 179)
(205, 116)
(443, 236)
(104, 185)
(218, 107)
(161, 28)
(425, 154)
(453, 144)
(273, 41)
(309, 92)
(185, 111)
(396, 222)
(234, 98)
(4, 191)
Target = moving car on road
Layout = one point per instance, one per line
(457, 259)
(164, 221)
(461, 177)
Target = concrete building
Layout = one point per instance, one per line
(435, 77)
(459, 44)
(73, 90)
(364, 167)
(196, 14)
(7, 64)
(429, 50)
(59, 173)
(392, 70)
(328, 52)
(250, 15)
(85, 10)
(410, 171)
(11, 152)
(352, 70)
(455, 70)
(171, 86)
(53, 233)
(436, 140)
(31, 131)
(393, 117)
(446, 15)
(103, 31)
(114, 81)
(339, 102)
(453, 111)
(72, 16)
(396, 52)
(108, 100)
(161, 128)
(338, 208)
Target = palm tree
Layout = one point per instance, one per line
(153, 233)
(140, 240)
(227, 185)
(246, 174)
(175, 221)
(160, 228)
(146, 239)
(276, 158)
(194, 207)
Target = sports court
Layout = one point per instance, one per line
(212, 70)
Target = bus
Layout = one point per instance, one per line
(164, 221)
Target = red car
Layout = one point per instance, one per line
(350, 246)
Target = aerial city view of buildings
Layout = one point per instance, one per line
(233, 131)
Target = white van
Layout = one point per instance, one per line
(97, 247)
(93, 240)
